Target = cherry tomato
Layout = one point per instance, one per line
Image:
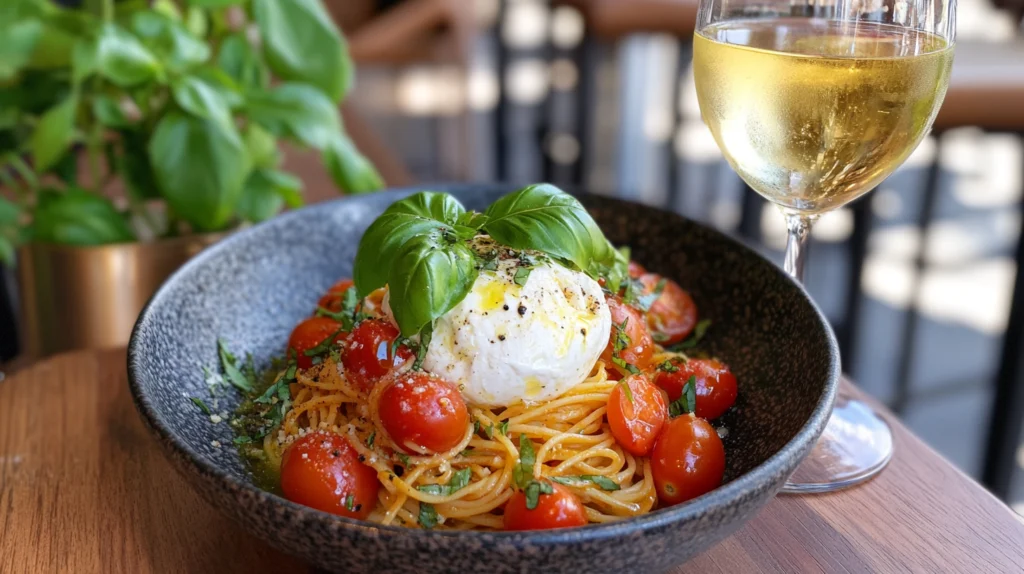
(367, 352)
(715, 385)
(636, 417)
(688, 459)
(638, 345)
(417, 408)
(560, 509)
(673, 315)
(335, 295)
(635, 269)
(310, 333)
(322, 470)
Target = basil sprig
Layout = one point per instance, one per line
(687, 401)
(420, 247)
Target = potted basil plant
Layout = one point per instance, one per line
(184, 106)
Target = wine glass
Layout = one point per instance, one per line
(814, 103)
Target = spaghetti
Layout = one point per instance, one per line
(569, 434)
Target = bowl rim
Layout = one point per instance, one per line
(726, 495)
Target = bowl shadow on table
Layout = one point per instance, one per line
(764, 326)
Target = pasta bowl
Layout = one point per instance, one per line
(253, 287)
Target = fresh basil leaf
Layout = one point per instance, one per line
(694, 339)
(266, 192)
(426, 333)
(323, 346)
(201, 166)
(628, 367)
(200, 99)
(292, 32)
(199, 403)
(296, 111)
(544, 218)
(459, 480)
(428, 516)
(522, 275)
(170, 41)
(54, 134)
(228, 362)
(351, 171)
(533, 490)
(225, 85)
(522, 473)
(668, 367)
(237, 58)
(687, 401)
(503, 428)
(472, 220)
(77, 217)
(117, 56)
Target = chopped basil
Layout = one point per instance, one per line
(622, 364)
(503, 428)
(242, 439)
(627, 390)
(428, 516)
(687, 401)
(325, 345)
(522, 473)
(229, 363)
(695, 337)
(603, 482)
(460, 479)
(622, 340)
(668, 367)
(490, 265)
(421, 351)
(489, 431)
(199, 403)
(350, 500)
(404, 458)
(522, 275)
(369, 440)
(533, 490)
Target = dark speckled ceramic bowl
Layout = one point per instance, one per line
(252, 288)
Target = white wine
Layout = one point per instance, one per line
(812, 113)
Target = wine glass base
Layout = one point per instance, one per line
(856, 445)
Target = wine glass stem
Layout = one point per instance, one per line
(796, 246)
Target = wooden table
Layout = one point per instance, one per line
(83, 488)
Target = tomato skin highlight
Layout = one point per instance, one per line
(310, 333)
(636, 270)
(640, 348)
(714, 383)
(688, 460)
(367, 353)
(423, 409)
(560, 509)
(673, 315)
(322, 470)
(636, 423)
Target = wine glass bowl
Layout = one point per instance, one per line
(813, 103)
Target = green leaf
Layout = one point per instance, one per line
(427, 516)
(170, 40)
(401, 221)
(201, 167)
(167, 8)
(77, 217)
(196, 22)
(134, 166)
(225, 85)
(108, 112)
(695, 338)
(117, 56)
(603, 482)
(522, 473)
(215, 3)
(533, 490)
(238, 60)
(10, 212)
(687, 401)
(521, 276)
(459, 480)
(301, 43)
(262, 146)
(429, 276)
(229, 363)
(296, 111)
(544, 218)
(350, 169)
(17, 43)
(200, 99)
(53, 134)
(199, 403)
(266, 192)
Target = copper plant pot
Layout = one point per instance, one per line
(89, 297)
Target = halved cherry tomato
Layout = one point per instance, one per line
(636, 340)
(673, 315)
(310, 333)
(422, 410)
(635, 269)
(688, 459)
(715, 385)
(367, 352)
(560, 509)
(636, 417)
(335, 295)
(322, 470)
